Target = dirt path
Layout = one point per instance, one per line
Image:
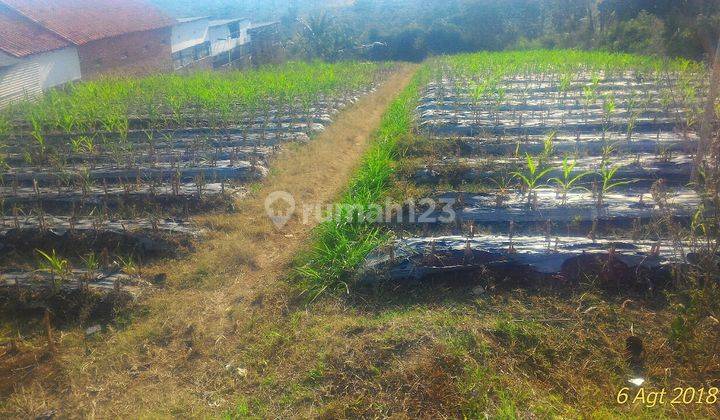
(177, 357)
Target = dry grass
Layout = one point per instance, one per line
(175, 356)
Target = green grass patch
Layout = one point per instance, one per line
(343, 242)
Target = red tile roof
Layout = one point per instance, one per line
(82, 21)
(20, 37)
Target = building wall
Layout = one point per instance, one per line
(18, 82)
(57, 67)
(37, 73)
(134, 54)
(218, 37)
(189, 34)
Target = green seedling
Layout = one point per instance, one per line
(609, 182)
(548, 146)
(609, 107)
(83, 145)
(5, 127)
(3, 162)
(127, 264)
(606, 153)
(568, 182)
(565, 83)
(532, 175)
(503, 186)
(58, 268)
(91, 262)
(67, 122)
(39, 139)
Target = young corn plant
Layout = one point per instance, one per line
(3, 161)
(502, 186)
(609, 107)
(548, 147)
(5, 128)
(531, 177)
(58, 267)
(40, 142)
(91, 263)
(127, 264)
(568, 183)
(609, 182)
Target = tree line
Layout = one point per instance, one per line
(412, 30)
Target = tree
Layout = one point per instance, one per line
(325, 38)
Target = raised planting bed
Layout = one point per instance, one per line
(177, 144)
(76, 295)
(470, 128)
(643, 169)
(68, 236)
(548, 204)
(198, 151)
(217, 171)
(172, 198)
(45, 282)
(271, 111)
(616, 263)
(514, 117)
(573, 145)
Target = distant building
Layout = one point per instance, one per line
(32, 59)
(204, 43)
(228, 39)
(190, 43)
(48, 43)
(128, 37)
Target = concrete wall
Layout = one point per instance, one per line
(134, 54)
(57, 67)
(189, 34)
(32, 75)
(217, 35)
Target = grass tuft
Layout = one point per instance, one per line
(342, 243)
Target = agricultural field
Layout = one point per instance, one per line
(103, 177)
(552, 160)
(580, 262)
(583, 254)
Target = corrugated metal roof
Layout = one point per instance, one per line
(263, 25)
(220, 22)
(20, 37)
(192, 19)
(83, 21)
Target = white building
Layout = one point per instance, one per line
(211, 42)
(227, 34)
(32, 59)
(190, 41)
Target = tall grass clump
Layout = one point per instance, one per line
(341, 243)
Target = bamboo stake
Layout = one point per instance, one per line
(706, 128)
(48, 331)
